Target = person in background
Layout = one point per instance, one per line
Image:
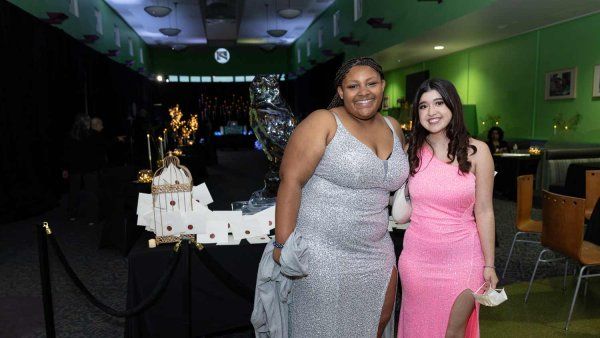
(77, 164)
(495, 140)
(141, 126)
(98, 145)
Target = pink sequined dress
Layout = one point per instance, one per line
(442, 253)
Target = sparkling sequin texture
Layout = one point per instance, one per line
(442, 253)
(344, 218)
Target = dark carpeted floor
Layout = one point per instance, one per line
(238, 174)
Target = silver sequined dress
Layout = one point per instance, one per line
(343, 217)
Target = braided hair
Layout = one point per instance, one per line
(343, 71)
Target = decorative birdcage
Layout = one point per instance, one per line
(171, 196)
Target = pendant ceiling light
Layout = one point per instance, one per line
(171, 31)
(157, 10)
(267, 47)
(276, 33)
(289, 12)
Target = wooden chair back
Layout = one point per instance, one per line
(563, 218)
(592, 189)
(524, 199)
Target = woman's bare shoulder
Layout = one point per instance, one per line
(483, 151)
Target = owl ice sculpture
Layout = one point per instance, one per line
(273, 123)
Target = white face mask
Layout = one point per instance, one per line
(491, 297)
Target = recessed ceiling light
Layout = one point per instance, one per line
(438, 47)
(159, 78)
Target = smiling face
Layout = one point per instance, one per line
(362, 92)
(434, 114)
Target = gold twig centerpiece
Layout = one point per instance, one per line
(183, 129)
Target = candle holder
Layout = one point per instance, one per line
(534, 151)
(145, 176)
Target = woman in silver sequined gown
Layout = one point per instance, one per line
(337, 172)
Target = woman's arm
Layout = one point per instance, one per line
(302, 155)
(397, 129)
(484, 209)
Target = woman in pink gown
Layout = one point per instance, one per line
(449, 246)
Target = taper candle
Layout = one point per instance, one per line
(149, 152)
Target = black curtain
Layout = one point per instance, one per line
(314, 89)
(45, 75)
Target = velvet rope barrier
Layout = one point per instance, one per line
(223, 275)
(143, 305)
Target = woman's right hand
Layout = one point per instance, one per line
(276, 255)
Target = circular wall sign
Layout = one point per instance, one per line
(222, 55)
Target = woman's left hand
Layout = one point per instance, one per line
(490, 277)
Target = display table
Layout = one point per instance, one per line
(509, 166)
(574, 184)
(215, 308)
(118, 200)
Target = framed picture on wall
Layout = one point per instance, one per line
(561, 84)
(386, 103)
(596, 87)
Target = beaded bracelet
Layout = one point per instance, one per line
(490, 266)
(277, 245)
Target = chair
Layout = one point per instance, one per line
(592, 191)
(524, 224)
(562, 233)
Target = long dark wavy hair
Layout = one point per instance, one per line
(492, 130)
(456, 131)
(343, 71)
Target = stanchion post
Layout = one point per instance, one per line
(188, 290)
(187, 284)
(43, 231)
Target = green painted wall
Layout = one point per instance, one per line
(410, 18)
(200, 61)
(573, 44)
(77, 27)
(505, 79)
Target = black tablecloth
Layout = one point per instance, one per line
(215, 308)
(234, 141)
(508, 168)
(575, 180)
(592, 233)
(118, 204)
